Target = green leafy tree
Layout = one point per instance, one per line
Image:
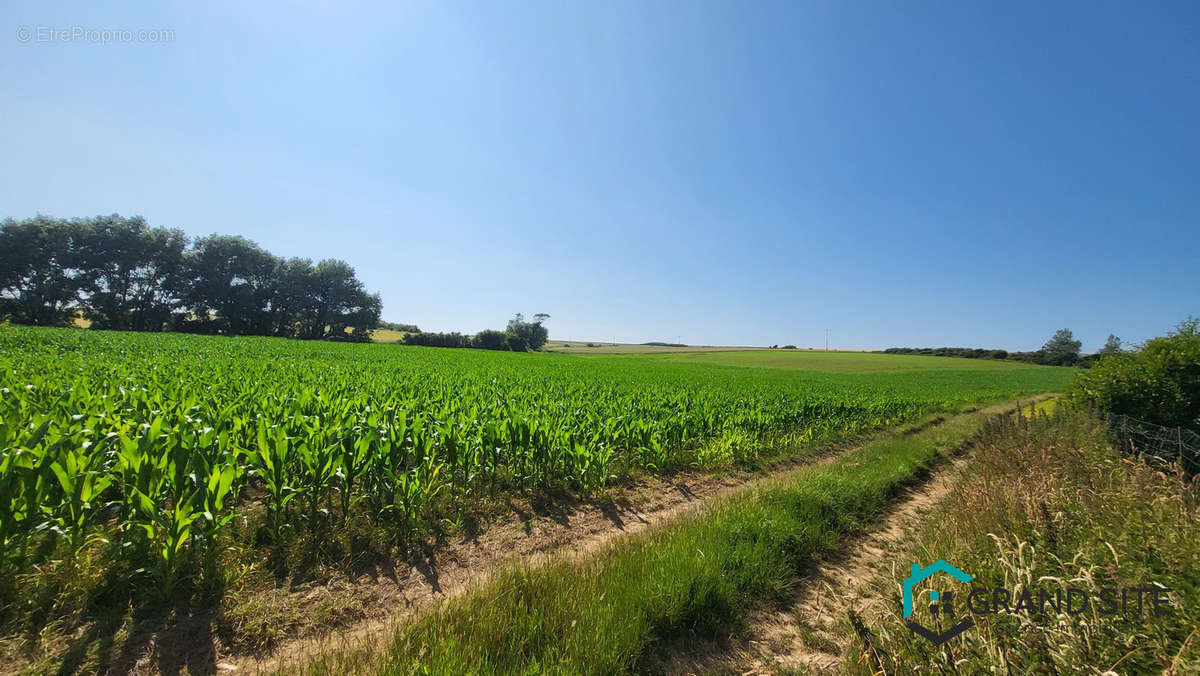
(134, 273)
(337, 302)
(230, 284)
(122, 274)
(1111, 346)
(290, 298)
(524, 335)
(1062, 348)
(40, 276)
(489, 339)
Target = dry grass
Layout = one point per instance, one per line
(1048, 504)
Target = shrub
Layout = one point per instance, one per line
(1160, 384)
(454, 339)
(489, 339)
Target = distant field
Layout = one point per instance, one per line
(581, 347)
(387, 336)
(845, 362)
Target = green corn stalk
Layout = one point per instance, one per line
(80, 474)
(318, 461)
(273, 453)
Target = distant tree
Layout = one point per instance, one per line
(523, 335)
(339, 302)
(122, 274)
(490, 339)
(1062, 348)
(437, 339)
(291, 296)
(1111, 346)
(361, 316)
(397, 326)
(40, 275)
(134, 274)
(230, 282)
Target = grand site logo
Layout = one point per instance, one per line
(982, 600)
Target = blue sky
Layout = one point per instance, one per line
(911, 173)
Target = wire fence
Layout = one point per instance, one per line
(1158, 444)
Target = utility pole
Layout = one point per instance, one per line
(826, 340)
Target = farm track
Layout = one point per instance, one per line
(806, 635)
(538, 532)
(809, 633)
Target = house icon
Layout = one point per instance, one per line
(919, 574)
(946, 604)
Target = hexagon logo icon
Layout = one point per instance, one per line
(944, 601)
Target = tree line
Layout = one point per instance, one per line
(120, 273)
(519, 336)
(397, 326)
(1061, 350)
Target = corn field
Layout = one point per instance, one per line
(154, 443)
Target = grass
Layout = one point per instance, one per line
(607, 613)
(1047, 502)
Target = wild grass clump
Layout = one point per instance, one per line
(1047, 504)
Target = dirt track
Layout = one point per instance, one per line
(803, 635)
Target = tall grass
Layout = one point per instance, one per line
(1047, 502)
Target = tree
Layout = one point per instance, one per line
(523, 335)
(290, 298)
(134, 274)
(489, 339)
(1111, 346)
(122, 274)
(338, 301)
(40, 279)
(229, 284)
(1062, 348)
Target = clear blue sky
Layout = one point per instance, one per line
(902, 173)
